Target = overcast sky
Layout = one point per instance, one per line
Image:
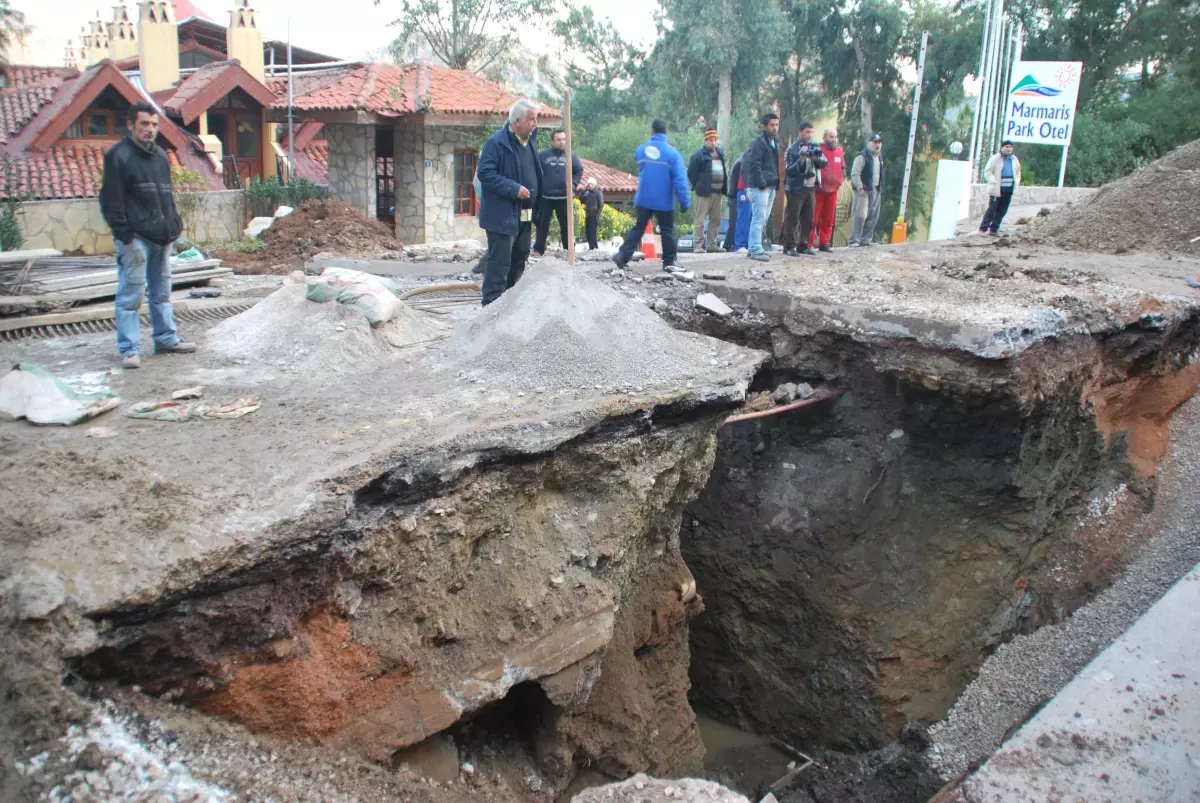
(349, 29)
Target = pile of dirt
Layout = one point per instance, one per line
(1153, 209)
(558, 329)
(287, 331)
(331, 226)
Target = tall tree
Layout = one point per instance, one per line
(12, 29)
(717, 52)
(464, 34)
(598, 58)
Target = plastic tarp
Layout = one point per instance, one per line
(31, 392)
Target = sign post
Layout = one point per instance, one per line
(1040, 105)
(569, 235)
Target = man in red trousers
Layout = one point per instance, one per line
(829, 181)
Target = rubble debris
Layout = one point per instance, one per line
(1153, 209)
(371, 295)
(196, 392)
(709, 302)
(31, 392)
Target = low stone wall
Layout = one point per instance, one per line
(76, 225)
(1029, 196)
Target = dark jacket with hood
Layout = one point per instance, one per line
(700, 173)
(800, 165)
(499, 174)
(735, 175)
(554, 170)
(760, 165)
(136, 197)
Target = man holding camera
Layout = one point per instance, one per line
(801, 162)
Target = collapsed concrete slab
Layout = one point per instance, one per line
(373, 555)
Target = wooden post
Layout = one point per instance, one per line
(570, 182)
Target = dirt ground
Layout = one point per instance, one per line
(317, 226)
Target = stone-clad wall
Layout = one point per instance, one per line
(409, 170)
(441, 223)
(352, 165)
(77, 225)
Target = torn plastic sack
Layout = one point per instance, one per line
(181, 410)
(373, 296)
(31, 392)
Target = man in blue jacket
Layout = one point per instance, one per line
(662, 180)
(510, 176)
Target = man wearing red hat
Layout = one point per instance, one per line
(707, 172)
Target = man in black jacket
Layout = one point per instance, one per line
(801, 163)
(138, 204)
(593, 207)
(555, 194)
(510, 176)
(760, 169)
(707, 175)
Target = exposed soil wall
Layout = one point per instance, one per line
(443, 591)
(859, 558)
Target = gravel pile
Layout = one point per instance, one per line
(558, 329)
(1153, 209)
(1027, 671)
(289, 332)
(643, 789)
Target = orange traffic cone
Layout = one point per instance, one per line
(648, 246)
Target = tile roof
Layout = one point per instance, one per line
(65, 171)
(312, 163)
(196, 92)
(608, 178)
(28, 90)
(185, 9)
(394, 90)
(38, 106)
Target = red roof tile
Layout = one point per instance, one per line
(185, 9)
(312, 163)
(64, 171)
(392, 90)
(28, 89)
(196, 92)
(35, 111)
(609, 179)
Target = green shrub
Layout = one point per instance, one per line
(251, 245)
(265, 195)
(613, 223)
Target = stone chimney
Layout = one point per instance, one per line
(96, 41)
(71, 59)
(243, 40)
(158, 45)
(122, 35)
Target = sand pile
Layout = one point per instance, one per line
(288, 332)
(558, 329)
(331, 226)
(1153, 209)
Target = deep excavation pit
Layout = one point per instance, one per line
(860, 557)
(414, 566)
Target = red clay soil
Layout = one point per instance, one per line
(331, 226)
(1142, 408)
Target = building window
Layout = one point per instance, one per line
(93, 125)
(465, 202)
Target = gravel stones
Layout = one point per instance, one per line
(1029, 670)
(643, 789)
(558, 329)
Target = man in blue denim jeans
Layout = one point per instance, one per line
(137, 202)
(760, 172)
